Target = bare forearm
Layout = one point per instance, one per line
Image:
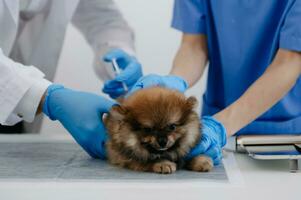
(191, 58)
(278, 79)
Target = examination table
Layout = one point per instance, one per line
(246, 179)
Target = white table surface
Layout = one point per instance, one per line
(260, 180)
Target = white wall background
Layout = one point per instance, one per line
(156, 46)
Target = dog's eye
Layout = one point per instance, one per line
(172, 127)
(147, 129)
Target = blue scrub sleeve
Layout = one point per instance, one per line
(189, 16)
(290, 36)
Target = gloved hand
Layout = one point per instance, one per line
(169, 81)
(81, 114)
(213, 139)
(131, 72)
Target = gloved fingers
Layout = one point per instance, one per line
(200, 148)
(135, 88)
(76, 134)
(117, 82)
(145, 82)
(203, 145)
(148, 82)
(99, 149)
(115, 95)
(128, 76)
(105, 106)
(88, 151)
(112, 84)
(217, 160)
(217, 130)
(114, 92)
(215, 153)
(130, 72)
(175, 83)
(98, 145)
(116, 54)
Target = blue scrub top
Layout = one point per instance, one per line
(243, 38)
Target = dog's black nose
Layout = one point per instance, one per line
(162, 141)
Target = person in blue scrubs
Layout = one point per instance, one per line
(253, 49)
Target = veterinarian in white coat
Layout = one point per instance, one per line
(31, 38)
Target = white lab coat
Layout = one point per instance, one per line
(31, 42)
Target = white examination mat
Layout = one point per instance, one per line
(65, 161)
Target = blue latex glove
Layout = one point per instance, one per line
(213, 139)
(169, 81)
(131, 72)
(81, 114)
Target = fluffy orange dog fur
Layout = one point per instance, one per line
(153, 130)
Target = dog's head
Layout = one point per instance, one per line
(154, 122)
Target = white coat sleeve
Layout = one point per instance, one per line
(21, 89)
(104, 28)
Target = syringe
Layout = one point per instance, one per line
(117, 72)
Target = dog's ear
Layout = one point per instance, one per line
(191, 102)
(118, 112)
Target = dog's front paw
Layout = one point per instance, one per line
(164, 167)
(200, 164)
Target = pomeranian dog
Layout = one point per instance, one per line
(153, 130)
